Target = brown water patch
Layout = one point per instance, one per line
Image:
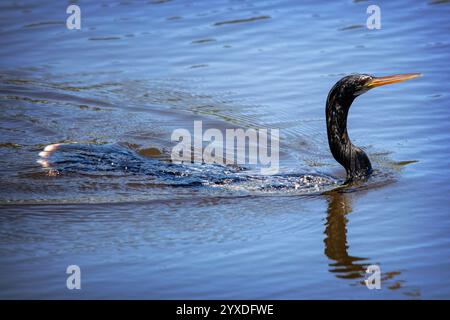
(10, 145)
(150, 152)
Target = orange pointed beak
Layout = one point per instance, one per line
(381, 81)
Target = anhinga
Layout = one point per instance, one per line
(340, 98)
(112, 157)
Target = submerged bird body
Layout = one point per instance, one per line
(98, 159)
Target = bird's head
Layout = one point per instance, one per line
(351, 86)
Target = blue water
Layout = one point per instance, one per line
(138, 70)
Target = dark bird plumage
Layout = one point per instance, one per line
(340, 98)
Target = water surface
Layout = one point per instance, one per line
(136, 71)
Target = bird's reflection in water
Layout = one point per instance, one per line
(336, 247)
(344, 265)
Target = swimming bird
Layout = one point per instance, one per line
(98, 159)
(340, 98)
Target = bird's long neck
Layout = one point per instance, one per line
(352, 158)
